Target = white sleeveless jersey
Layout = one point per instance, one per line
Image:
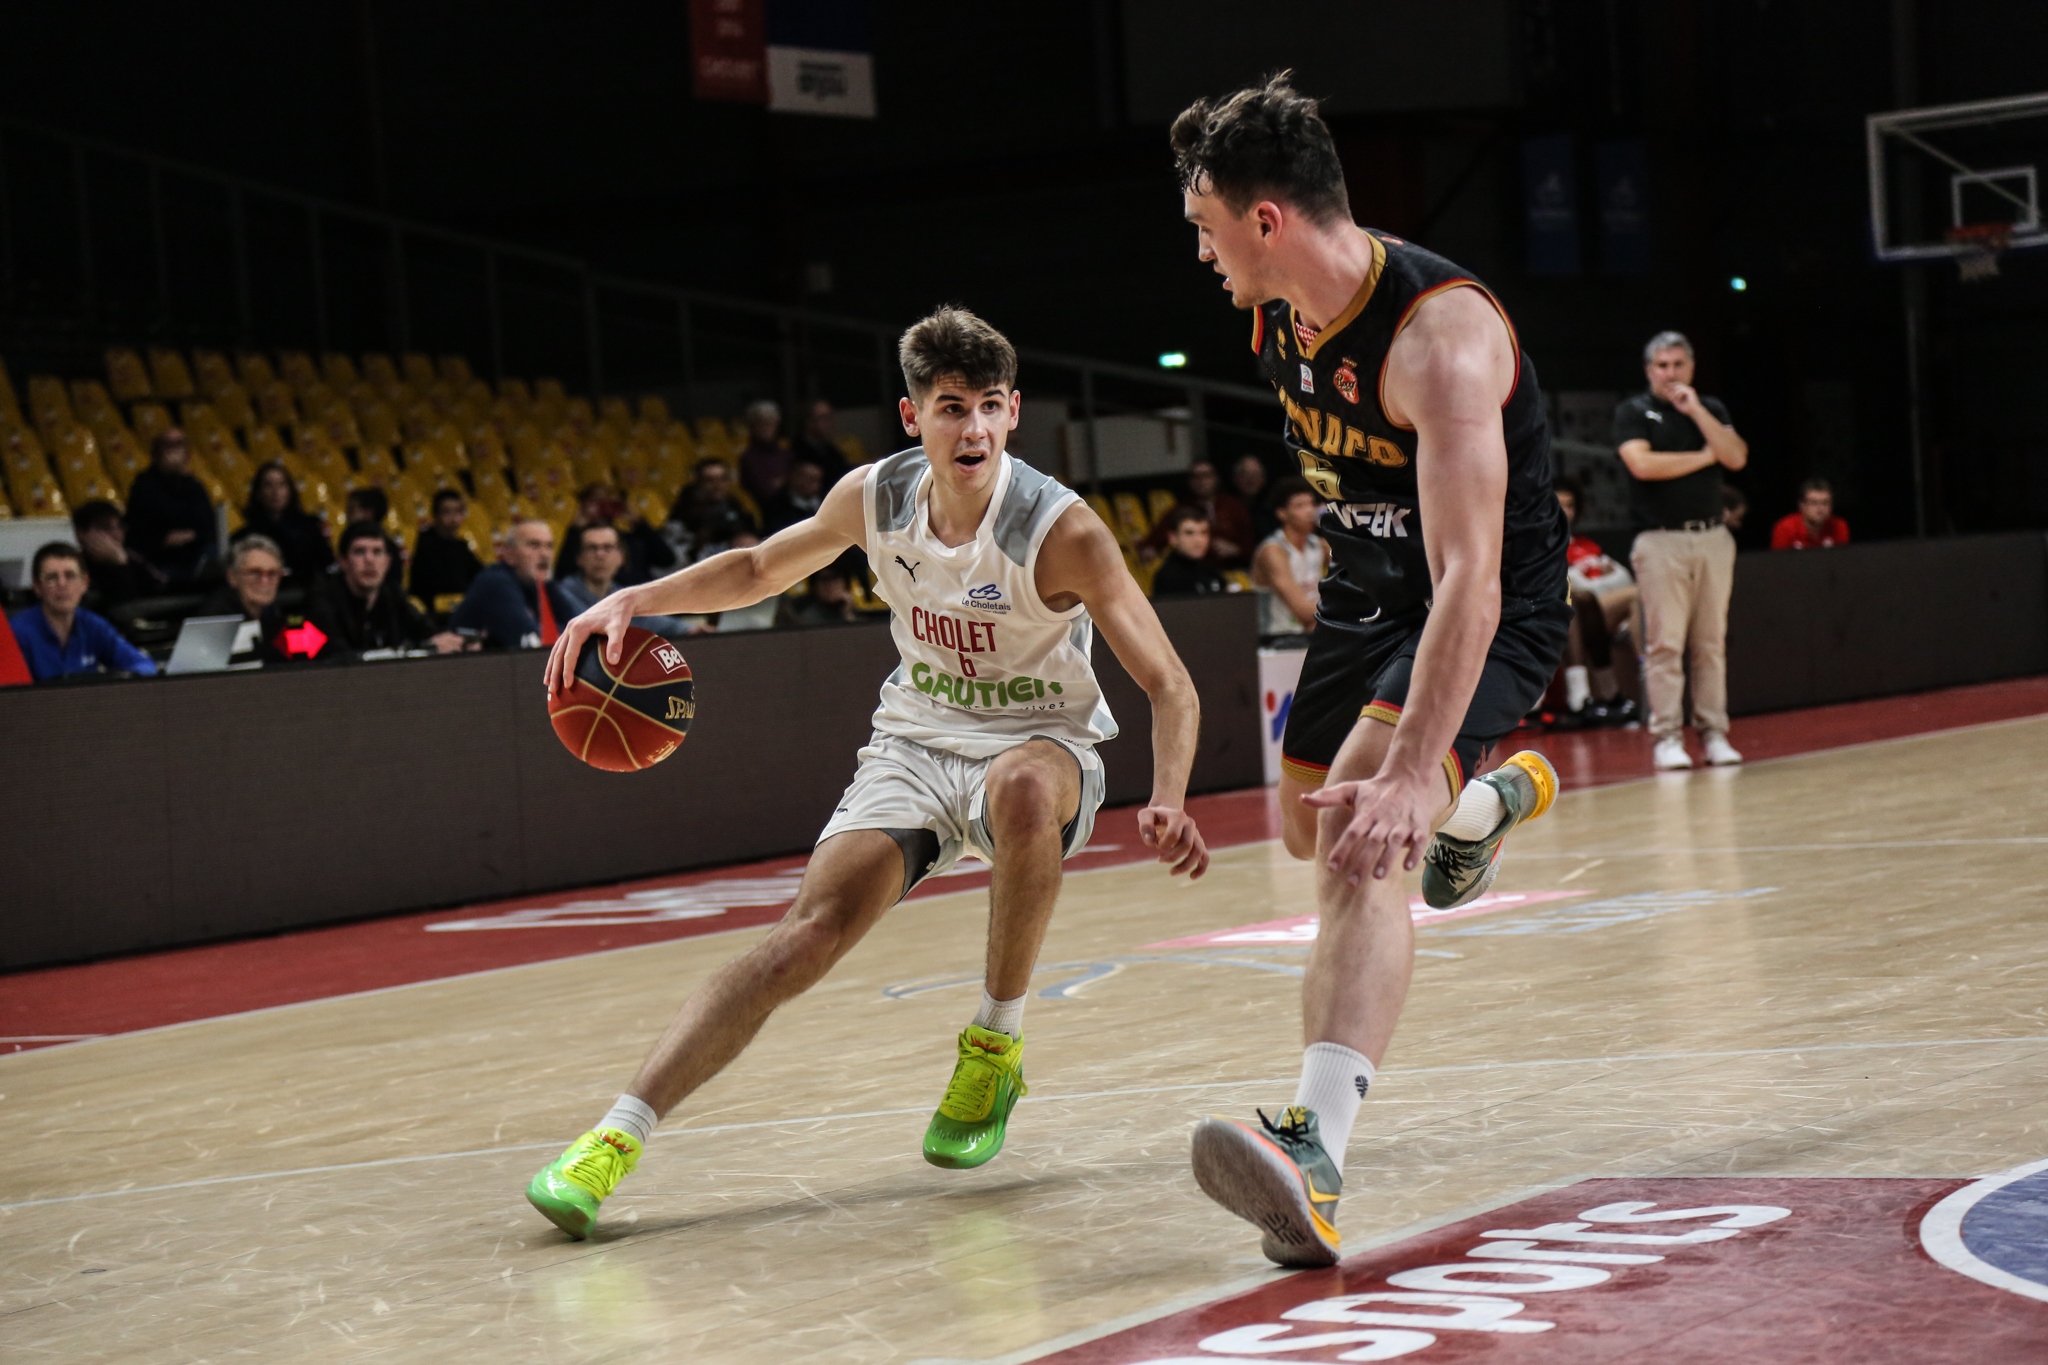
(1306, 567)
(986, 664)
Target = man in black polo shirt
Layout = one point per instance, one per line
(1676, 444)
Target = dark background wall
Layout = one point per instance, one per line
(1019, 164)
(148, 813)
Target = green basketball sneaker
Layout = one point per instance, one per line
(988, 1080)
(1276, 1177)
(1458, 871)
(569, 1189)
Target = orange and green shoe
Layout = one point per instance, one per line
(1459, 871)
(569, 1188)
(988, 1080)
(1278, 1178)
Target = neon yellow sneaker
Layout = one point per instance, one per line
(569, 1189)
(988, 1080)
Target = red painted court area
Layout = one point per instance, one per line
(50, 1006)
(1678, 1271)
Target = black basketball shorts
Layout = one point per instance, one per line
(1360, 663)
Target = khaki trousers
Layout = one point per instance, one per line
(1684, 578)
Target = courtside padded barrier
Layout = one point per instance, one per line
(145, 814)
(1809, 627)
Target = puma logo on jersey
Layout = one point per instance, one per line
(1383, 519)
(910, 569)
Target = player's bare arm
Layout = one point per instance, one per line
(724, 582)
(1270, 571)
(1659, 465)
(1447, 376)
(1080, 563)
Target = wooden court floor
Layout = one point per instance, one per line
(1821, 966)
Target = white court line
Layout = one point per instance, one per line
(1034, 1099)
(1786, 848)
(1941, 1233)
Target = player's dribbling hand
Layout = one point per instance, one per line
(1392, 820)
(608, 617)
(1172, 832)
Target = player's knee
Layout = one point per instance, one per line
(807, 942)
(1022, 798)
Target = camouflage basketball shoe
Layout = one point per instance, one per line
(569, 1188)
(1458, 871)
(988, 1080)
(1276, 1177)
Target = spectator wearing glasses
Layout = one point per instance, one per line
(362, 607)
(58, 637)
(170, 516)
(119, 575)
(1676, 444)
(1814, 526)
(274, 513)
(255, 571)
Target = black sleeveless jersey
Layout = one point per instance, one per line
(1363, 465)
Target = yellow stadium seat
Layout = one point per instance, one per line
(339, 371)
(121, 454)
(1161, 501)
(265, 444)
(40, 497)
(150, 421)
(613, 408)
(419, 369)
(1131, 524)
(212, 371)
(126, 375)
(378, 369)
(275, 404)
(10, 405)
(91, 402)
(48, 403)
(21, 450)
(517, 391)
(254, 370)
(375, 464)
(79, 470)
(339, 422)
(1100, 506)
(379, 424)
(296, 369)
(231, 401)
(654, 408)
(851, 446)
(168, 375)
(455, 369)
(550, 391)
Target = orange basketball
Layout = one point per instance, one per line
(629, 717)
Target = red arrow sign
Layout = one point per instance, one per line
(308, 640)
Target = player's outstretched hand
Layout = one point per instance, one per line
(608, 617)
(1171, 831)
(1391, 823)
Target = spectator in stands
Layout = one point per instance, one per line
(1291, 562)
(828, 603)
(1248, 479)
(598, 559)
(706, 512)
(362, 607)
(119, 575)
(1675, 444)
(443, 565)
(1188, 570)
(273, 512)
(764, 464)
(597, 504)
(1814, 526)
(818, 444)
(1230, 522)
(511, 605)
(369, 504)
(58, 637)
(1603, 598)
(1734, 507)
(255, 570)
(171, 519)
(799, 499)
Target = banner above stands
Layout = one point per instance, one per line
(795, 56)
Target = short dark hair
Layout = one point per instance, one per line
(91, 516)
(952, 341)
(360, 530)
(1816, 485)
(1263, 142)
(1566, 483)
(1181, 516)
(583, 536)
(447, 495)
(1292, 487)
(57, 549)
(371, 499)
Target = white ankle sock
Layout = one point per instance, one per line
(631, 1115)
(1479, 812)
(1333, 1084)
(1578, 687)
(1003, 1016)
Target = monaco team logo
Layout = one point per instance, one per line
(1346, 380)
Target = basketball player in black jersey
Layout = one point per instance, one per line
(1416, 417)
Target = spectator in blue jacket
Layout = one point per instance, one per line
(511, 604)
(58, 637)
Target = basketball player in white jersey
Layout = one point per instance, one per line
(984, 740)
(1291, 562)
